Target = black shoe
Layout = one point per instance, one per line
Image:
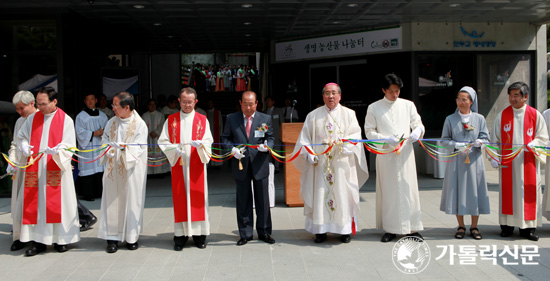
(35, 249)
(243, 241)
(268, 239)
(415, 234)
(17, 245)
(180, 242)
(345, 238)
(530, 236)
(387, 237)
(132, 246)
(320, 238)
(112, 248)
(60, 248)
(200, 241)
(506, 231)
(88, 224)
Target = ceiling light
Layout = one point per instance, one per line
(455, 5)
(352, 5)
(170, 36)
(246, 5)
(335, 22)
(247, 23)
(139, 6)
(247, 35)
(157, 24)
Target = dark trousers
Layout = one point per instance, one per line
(91, 186)
(245, 217)
(84, 214)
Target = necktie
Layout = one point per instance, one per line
(248, 125)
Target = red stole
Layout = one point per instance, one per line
(53, 172)
(529, 165)
(196, 172)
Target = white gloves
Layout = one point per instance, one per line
(263, 147)
(10, 170)
(494, 163)
(460, 145)
(111, 153)
(415, 135)
(196, 143)
(180, 151)
(116, 145)
(26, 149)
(238, 153)
(54, 150)
(393, 141)
(346, 151)
(312, 159)
(51, 151)
(531, 144)
(478, 143)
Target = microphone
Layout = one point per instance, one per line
(294, 103)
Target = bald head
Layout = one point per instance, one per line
(248, 103)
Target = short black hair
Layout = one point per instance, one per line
(523, 88)
(126, 99)
(188, 90)
(52, 94)
(391, 79)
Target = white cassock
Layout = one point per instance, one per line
(545, 201)
(188, 228)
(213, 125)
(154, 121)
(540, 139)
(68, 231)
(85, 126)
(330, 189)
(18, 181)
(124, 180)
(397, 199)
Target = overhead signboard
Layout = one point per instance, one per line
(340, 45)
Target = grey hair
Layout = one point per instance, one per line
(25, 97)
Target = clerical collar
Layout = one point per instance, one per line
(332, 110)
(520, 109)
(184, 115)
(91, 112)
(389, 101)
(51, 113)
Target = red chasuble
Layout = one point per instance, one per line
(53, 172)
(529, 165)
(196, 172)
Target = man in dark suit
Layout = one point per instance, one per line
(277, 118)
(250, 165)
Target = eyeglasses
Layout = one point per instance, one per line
(463, 100)
(328, 94)
(187, 102)
(43, 104)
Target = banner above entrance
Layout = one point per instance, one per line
(339, 45)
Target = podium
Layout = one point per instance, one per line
(289, 136)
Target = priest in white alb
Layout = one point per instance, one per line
(519, 126)
(330, 182)
(125, 175)
(154, 120)
(186, 140)
(24, 105)
(397, 199)
(47, 201)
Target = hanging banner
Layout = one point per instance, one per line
(339, 45)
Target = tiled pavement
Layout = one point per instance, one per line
(293, 257)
